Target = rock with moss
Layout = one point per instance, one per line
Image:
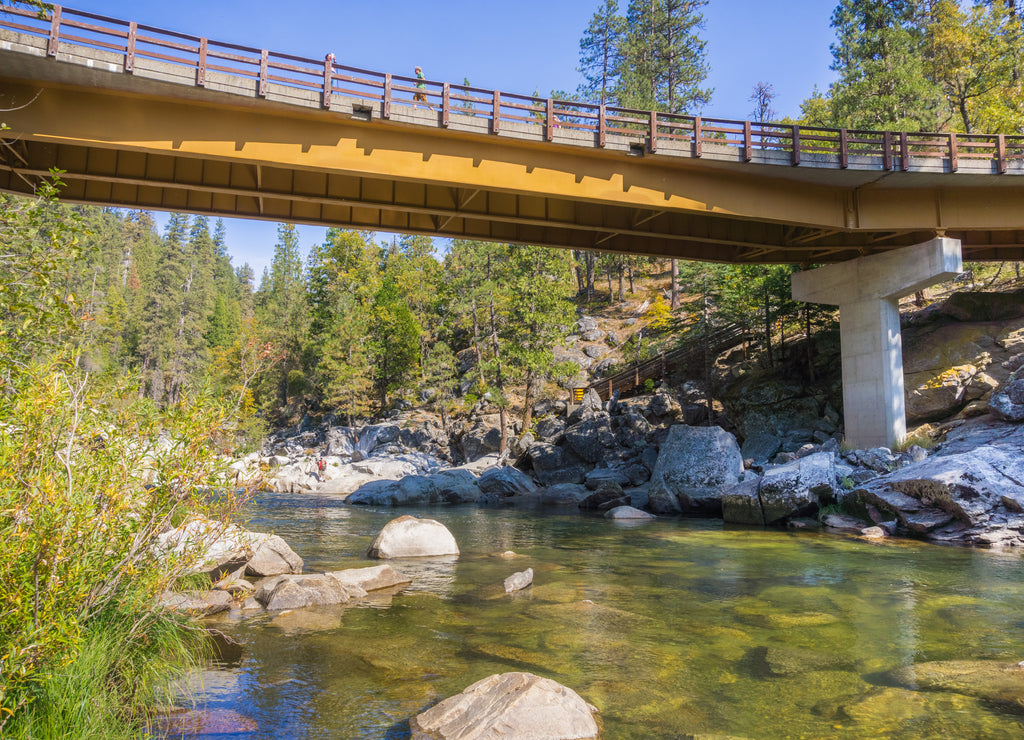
(997, 682)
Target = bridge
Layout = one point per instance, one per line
(143, 117)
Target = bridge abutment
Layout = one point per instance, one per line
(867, 291)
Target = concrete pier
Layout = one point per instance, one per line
(867, 291)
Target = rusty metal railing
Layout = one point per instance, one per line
(652, 130)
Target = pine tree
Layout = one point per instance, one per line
(974, 55)
(879, 54)
(539, 287)
(601, 52)
(281, 306)
(394, 340)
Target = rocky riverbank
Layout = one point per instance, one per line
(641, 452)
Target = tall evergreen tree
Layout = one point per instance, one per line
(281, 303)
(883, 77)
(601, 52)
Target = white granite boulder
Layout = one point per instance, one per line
(409, 537)
(218, 548)
(695, 466)
(510, 706)
(797, 487)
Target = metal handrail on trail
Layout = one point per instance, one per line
(655, 368)
(133, 40)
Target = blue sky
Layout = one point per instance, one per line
(517, 46)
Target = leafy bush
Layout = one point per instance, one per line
(89, 476)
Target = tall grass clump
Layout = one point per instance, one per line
(90, 475)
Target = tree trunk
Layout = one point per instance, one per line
(622, 283)
(590, 263)
(768, 327)
(810, 347)
(919, 298)
(498, 380)
(611, 293)
(675, 285)
(528, 400)
(581, 282)
(632, 289)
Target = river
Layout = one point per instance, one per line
(671, 628)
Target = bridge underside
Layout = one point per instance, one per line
(209, 154)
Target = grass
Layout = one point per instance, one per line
(108, 690)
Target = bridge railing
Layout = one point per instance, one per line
(652, 131)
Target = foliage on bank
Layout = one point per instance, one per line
(90, 473)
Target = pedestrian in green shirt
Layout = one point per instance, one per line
(421, 86)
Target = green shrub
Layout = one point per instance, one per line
(89, 476)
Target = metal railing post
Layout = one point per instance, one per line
(54, 41)
(129, 50)
(328, 80)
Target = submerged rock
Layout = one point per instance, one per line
(994, 681)
(518, 581)
(409, 537)
(512, 706)
(627, 512)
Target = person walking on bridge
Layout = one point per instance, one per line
(421, 87)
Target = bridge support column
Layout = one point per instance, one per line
(867, 291)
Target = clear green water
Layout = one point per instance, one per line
(666, 627)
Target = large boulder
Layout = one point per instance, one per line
(340, 441)
(695, 466)
(592, 439)
(554, 465)
(271, 556)
(798, 487)
(982, 489)
(564, 494)
(1007, 403)
(409, 537)
(505, 482)
(372, 578)
(511, 706)
(217, 548)
(449, 486)
(295, 592)
(741, 503)
(483, 439)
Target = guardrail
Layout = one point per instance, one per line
(653, 129)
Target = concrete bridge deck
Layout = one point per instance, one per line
(141, 117)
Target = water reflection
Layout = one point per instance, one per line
(671, 629)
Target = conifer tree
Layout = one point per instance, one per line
(601, 52)
(879, 55)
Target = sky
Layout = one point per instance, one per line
(517, 46)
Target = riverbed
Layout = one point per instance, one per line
(671, 628)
